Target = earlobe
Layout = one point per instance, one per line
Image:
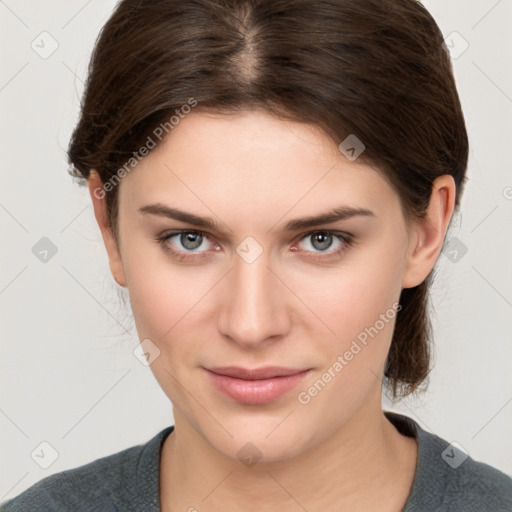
(427, 235)
(97, 193)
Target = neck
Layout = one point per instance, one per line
(365, 465)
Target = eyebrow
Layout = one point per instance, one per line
(333, 215)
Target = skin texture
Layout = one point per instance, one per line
(252, 173)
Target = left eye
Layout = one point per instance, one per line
(323, 240)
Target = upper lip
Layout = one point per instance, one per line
(266, 372)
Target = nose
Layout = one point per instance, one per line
(254, 309)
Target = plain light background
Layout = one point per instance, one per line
(68, 374)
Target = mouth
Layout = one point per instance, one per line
(255, 386)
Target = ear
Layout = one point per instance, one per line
(427, 235)
(100, 212)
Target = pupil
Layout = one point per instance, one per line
(326, 240)
(189, 237)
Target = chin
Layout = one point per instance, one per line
(257, 440)
(258, 450)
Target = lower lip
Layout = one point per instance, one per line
(256, 392)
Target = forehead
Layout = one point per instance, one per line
(251, 162)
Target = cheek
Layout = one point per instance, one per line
(168, 302)
(355, 311)
(160, 293)
(361, 307)
(352, 298)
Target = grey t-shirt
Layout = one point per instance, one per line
(445, 480)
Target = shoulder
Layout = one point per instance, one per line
(120, 481)
(466, 482)
(448, 479)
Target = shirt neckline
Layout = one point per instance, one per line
(151, 456)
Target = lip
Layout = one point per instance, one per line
(255, 386)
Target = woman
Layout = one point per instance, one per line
(274, 181)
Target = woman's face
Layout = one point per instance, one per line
(259, 289)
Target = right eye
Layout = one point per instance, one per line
(190, 241)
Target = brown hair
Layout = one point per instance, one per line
(374, 68)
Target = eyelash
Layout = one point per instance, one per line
(345, 239)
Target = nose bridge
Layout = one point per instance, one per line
(254, 308)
